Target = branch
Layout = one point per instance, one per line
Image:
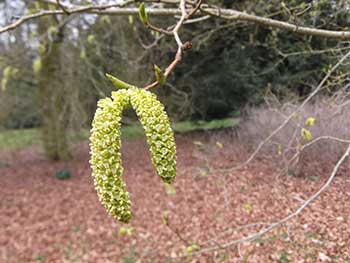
(89, 9)
(241, 16)
(286, 121)
(118, 9)
(181, 47)
(64, 9)
(321, 138)
(287, 218)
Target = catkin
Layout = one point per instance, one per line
(159, 134)
(105, 146)
(106, 164)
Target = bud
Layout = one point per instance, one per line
(143, 14)
(159, 75)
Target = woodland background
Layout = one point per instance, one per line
(236, 85)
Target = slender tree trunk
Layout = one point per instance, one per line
(51, 95)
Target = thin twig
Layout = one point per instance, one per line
(285, 219)
(181, 46)
(117, 9)
(286, 121)
(195, 9)
(321, 138)
(62, 7)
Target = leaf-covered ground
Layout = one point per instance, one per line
(43, 219)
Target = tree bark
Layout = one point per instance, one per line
(51, 95)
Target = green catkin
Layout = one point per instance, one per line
(105, 143)
(159, 134)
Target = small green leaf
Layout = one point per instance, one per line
(159, 75)
(37, 65)
(248, 207)
(190, 249)
(280, 149)
(7, 73)
(143, 14)
(306, 134)
(118, 83)
(219, 145)
(123, 231)
(310, 121)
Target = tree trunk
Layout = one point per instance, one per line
(51, 95)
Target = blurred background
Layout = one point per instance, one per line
(52, 68)
(231, 90)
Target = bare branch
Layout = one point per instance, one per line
(285, 219)
(195, 9)
(62, 7)
(241, 16)
(119, 9)
(181, 46)
(286, 121)
(321, 138)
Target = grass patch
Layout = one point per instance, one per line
(21, 139)
(189, 126)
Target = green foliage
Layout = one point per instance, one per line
(119, 84)
(306, 134)
(8, 72)
(159, 75)
(106, 142)
(126, 231)
(37, 65)
(24, 138)
(18, 139)
(189, 126)
(248, 208)
(310, 121)
(142, 14)
(190, 249)
(236, 64)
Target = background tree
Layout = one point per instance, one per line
(243, 61)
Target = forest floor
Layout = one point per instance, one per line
(43, 219)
